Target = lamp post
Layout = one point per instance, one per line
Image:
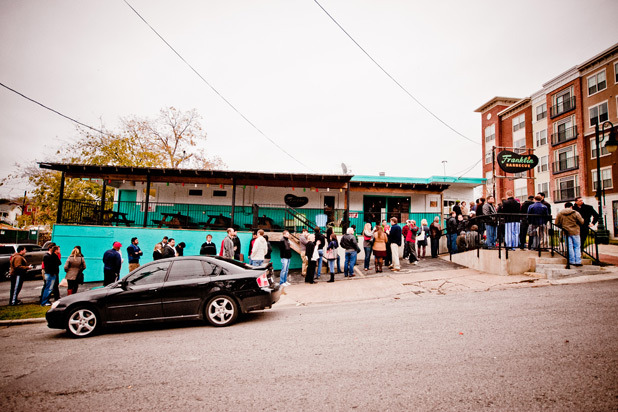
(611, 145)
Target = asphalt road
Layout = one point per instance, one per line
(549, 348)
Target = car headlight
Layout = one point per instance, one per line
(55, 304)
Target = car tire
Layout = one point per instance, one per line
(82, 322)
(221, 310)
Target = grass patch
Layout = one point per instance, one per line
(22, 312)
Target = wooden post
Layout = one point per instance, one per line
(104, 189)
(60, 200)
(147, 200)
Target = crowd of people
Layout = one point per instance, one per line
(519, 224)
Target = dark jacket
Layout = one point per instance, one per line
(349, 243)
(18, 266)
(133, 252)
(511, 206)
(208, 249)
(319, 236)
(524, 209)
(451, 226)
(285, 249)
(52, 263)
(112, 261)
(570, 221)
(395, 235)
(168, 251)
(435, 231)
(588, 213)
(537, 208)
(309, 248)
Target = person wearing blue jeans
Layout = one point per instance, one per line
(320, 243)
(349, 263)
(570, 221)
(286, 255)
(491, 236)
(452, 242)
(51, 261)
(350, 244)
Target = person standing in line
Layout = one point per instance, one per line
(227, 249)
(208, 248)
(180, 249)
(387, 229)
(329, 232)
(571, 222)
(18, 269)
(489, 210)
(545, 234)
(164, 242)
(411, 241)
(52, 269)
(473, 205)
(260, 249)
(74, 265)
(457, 208)
(112, 262)
(331, 251)
(286, 255)
(511, 208)
(435, 233)
(320, 242)
(451, 233)
(367, 244)
(379, 248)
(134, 252)
(464, 209)
(523, 227)
(404, 233)
(350, 244)
(237, 246)
(269, 251)
(421, 239)
(169, 249)
(158, 252)
(302, 240)
(394, 238)
(537, 222)
(590, 216)
(312, 256)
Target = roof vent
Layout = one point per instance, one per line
(382, 173)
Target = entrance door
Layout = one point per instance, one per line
(374, 208)
(329, 208)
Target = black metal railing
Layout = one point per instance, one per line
(565, 135)
(564, 165)
(562, 107)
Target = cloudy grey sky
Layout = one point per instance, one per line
(290, 70)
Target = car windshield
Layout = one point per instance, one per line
(6, 250)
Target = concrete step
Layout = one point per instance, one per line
(553, 271)
(536, 275)
(557, 260)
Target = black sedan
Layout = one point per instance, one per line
(192, 287)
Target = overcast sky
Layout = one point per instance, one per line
(291, 71)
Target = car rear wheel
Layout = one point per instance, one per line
(82, 322)
(221, 310)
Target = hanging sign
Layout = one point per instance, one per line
(512, 162)
(295, 201)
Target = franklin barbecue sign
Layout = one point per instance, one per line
(512, 162)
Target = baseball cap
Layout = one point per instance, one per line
(117, 244)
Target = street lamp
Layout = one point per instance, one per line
(611, 145)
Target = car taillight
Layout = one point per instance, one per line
(262, 281)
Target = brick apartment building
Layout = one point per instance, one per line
(557, 124)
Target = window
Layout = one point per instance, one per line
(150, 274)
(616, 72)
(566, 159)
(520, 175)
(541, 138)
(519, 145)
(593, 146)
(488, 157)
(521, 194)
(541, 111)
(568, 189)
(219, 193)
(186, 269)
(543, 164)
(519, 122)
(543, 188)
(564, 130)
(596, 83)
(490, 182)
(606, 176)
(195, 192)
(490, 133)
(563, 103)
(598, 114)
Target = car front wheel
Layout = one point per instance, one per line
(221, 310)
(82, 322)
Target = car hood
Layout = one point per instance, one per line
(86, 296)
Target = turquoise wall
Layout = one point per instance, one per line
(95, 240)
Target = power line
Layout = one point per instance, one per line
(55, 111)
(391, 77)
(467, 170)
(215, 90)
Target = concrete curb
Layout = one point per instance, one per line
(14, 322)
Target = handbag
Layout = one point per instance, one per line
(330, 254)
(421, 236)
(316, 255)
(64, 283)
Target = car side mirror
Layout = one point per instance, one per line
(124, 285)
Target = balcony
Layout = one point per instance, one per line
(564, 165)
(562, 107)
(564, 135)
(566, 194)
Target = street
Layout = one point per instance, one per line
(549, 348)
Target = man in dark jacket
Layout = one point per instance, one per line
(285, 251)
(112, 261)
(537, 223)
(451, 233)
(320, 240)
(394, 237)
(349, 242)
(208, 248)
(523, 232)
(51, 261)
(511, 208)
(591, 217)
(18, 269)
(169, 250)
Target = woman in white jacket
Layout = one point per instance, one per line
(260, 248)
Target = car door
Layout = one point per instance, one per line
(185, 287)
(140, 297)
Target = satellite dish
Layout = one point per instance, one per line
(344, 168)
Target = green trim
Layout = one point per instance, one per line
(418, 180)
